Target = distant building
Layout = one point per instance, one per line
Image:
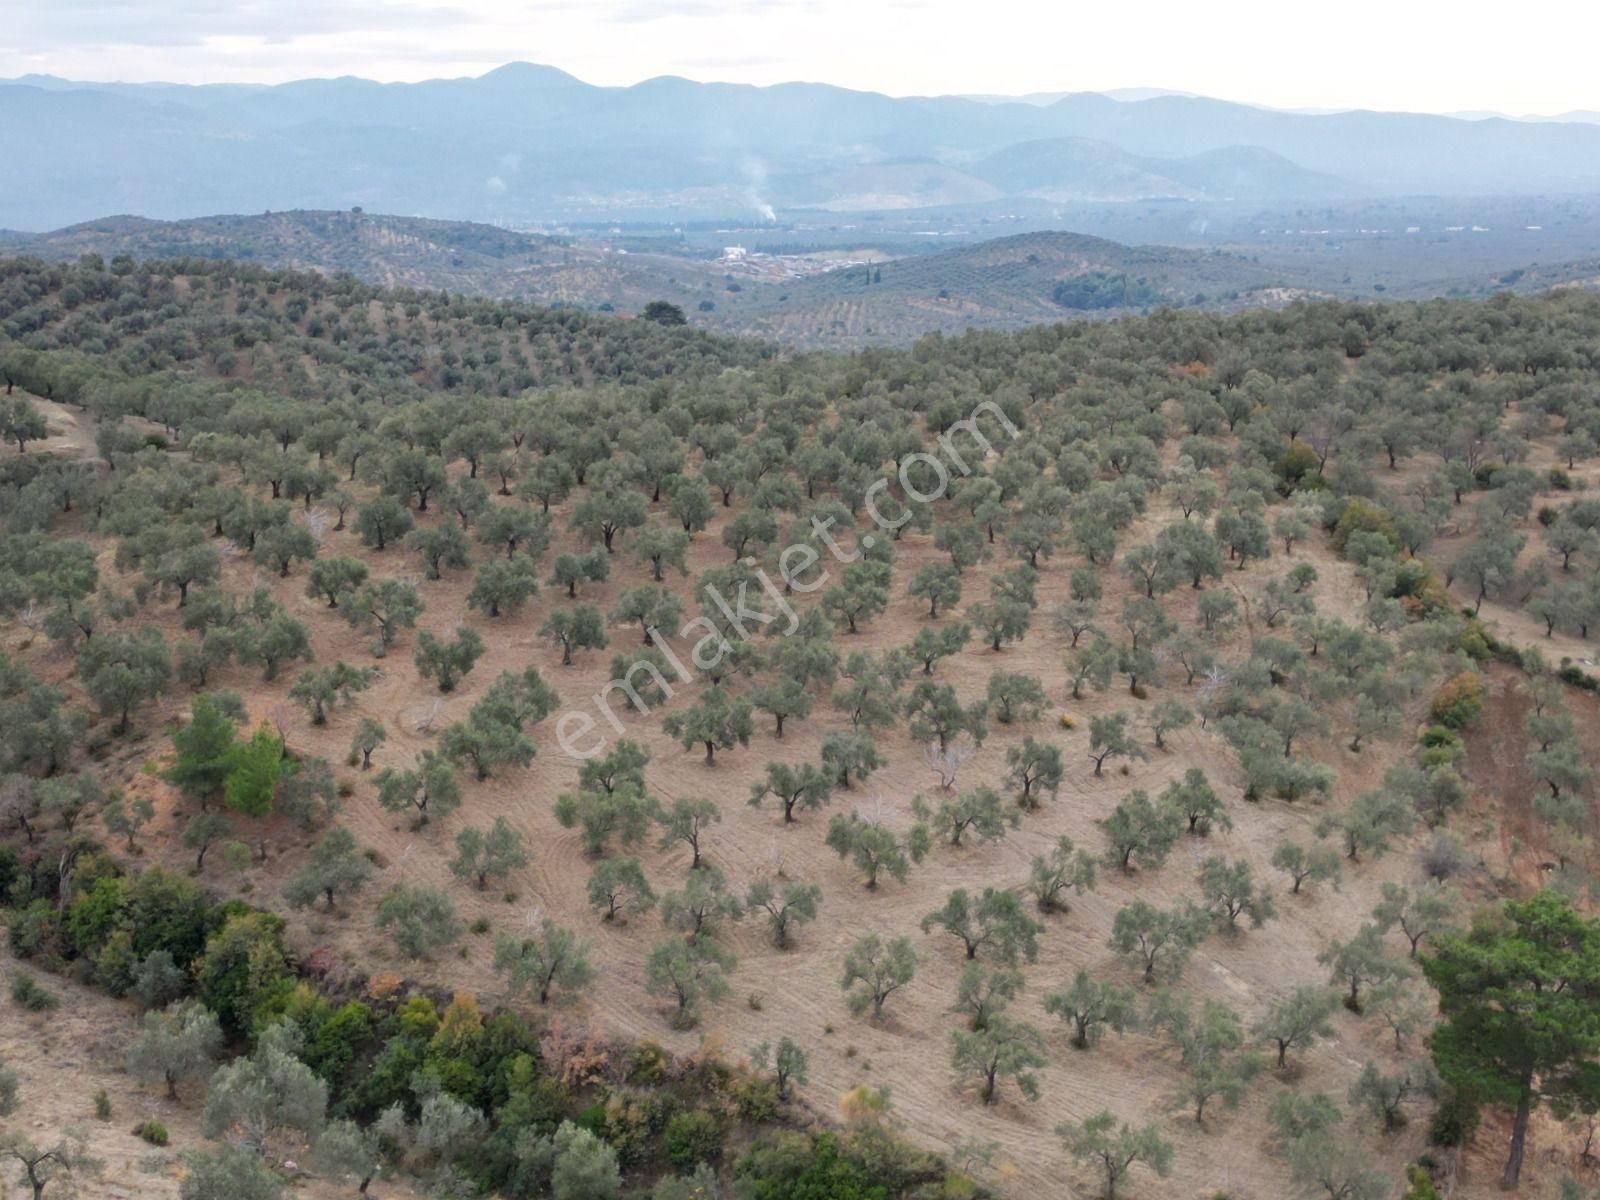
(734, 253)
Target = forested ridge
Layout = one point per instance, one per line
(286, 330)
(508, 751)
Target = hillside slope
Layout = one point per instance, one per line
(1001, 284)
(392, 251)
(1305, 678)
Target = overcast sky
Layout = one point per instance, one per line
(1395, 54)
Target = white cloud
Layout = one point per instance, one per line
(51, 26)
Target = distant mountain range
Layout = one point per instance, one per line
(528, 142)
(1075, 169)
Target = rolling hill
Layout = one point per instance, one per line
(1000, 283)
(394, 251)
(877, 297)
(1003, 283)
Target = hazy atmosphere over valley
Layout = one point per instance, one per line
(798, 601)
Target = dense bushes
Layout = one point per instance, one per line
(1097, 290)
(1359, 515)
(1458, 700)
(391, 1049)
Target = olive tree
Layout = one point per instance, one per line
(429, 789)
(980, 812)
(1305, 864)
(446, 661)
(1230, 892)
(180, 1044)
(1211, 1053)
(617, 887)
(874, 848)
(1092, 1006)
(553, 958)
(992, 922)
(485, 854)
(786, 904)
(1034, 769)
(269, 1093)
(334, 866)
(716, 722)
(874, 969)
(1159, 941)
(788, 1062)
(1064, 869)
(420, 919)
(688, 975)
(1002, 1048)
(1298, 1019)
(1109, 738)
(578, 628)
(1142, 830)
(1115, 1148)
(38, 1166)
(794, 787)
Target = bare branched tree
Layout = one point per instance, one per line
(426, 718)
(948, 762)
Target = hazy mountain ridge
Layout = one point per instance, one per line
(1084, 169)
(528, 141)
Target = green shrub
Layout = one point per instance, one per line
(1361, 514)
(757, 1100)
(692, 1137)
(1411, 578)
(1569, 672)
(1439, 756)
(10, 873)
(1097, 290)
(1458, 700)
(1418, 1185)
(102, 1105)
(1297, 461)
(592, 1118)
(153, 1132)
(1474, 644)
(798, 1164)
(648, 1063)
(34, 930)
(1438, 735)
(31, 994)
(1455, 1119)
